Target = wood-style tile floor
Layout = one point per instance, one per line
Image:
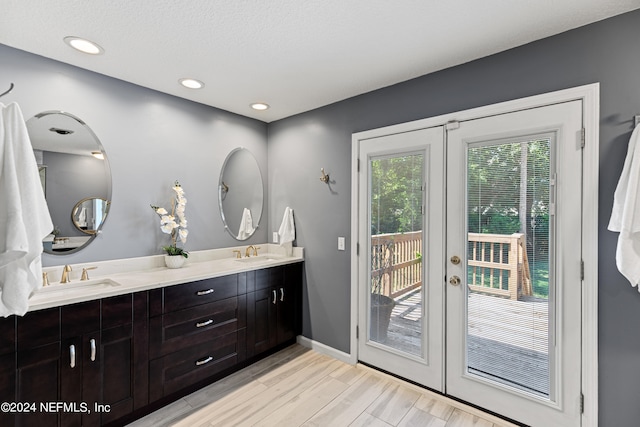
(301, 387)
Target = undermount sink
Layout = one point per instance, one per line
(259, 259)
(82, 285)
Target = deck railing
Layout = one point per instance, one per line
(497, 264)
(396, 262)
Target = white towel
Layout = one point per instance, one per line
(246, 225)
(287, 231)
(82, 217)
(625, 216)
(24, 215)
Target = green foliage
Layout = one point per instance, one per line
(175, 251)
(396, 194)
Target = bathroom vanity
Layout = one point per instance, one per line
(145, 338)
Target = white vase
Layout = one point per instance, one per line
(174, 261)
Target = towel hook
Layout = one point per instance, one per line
(325, 177)
(6, 92)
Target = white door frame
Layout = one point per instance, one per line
(590, 95)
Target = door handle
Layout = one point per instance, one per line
(455, 260)
(92, 344)
(275, 295)
(281, 294)
(72, 356)
(454, 280)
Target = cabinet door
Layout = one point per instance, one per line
(38, 366)
(123, 375)
(261, 320)
(290, 303)
(286, 317)
(37, 375)
(7, 366)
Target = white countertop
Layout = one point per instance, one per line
(123, 276)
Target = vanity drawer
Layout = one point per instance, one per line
(187, 367)
(180, 329)
(192, 294)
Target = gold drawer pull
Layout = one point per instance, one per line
(208, 291)
(204, 361)
(203, 324)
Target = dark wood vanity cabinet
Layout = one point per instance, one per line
(89, 355)
(196, 330)
(273, 307)
(130, 353)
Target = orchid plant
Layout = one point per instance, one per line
(174, 223)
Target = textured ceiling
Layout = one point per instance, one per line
(294, 55)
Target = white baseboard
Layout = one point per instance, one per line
(325, 349)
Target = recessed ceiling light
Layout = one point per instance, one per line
(84, 45)
(260, 106)
(191, 83)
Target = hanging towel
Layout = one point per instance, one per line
(625, 216)
(24, 215)
(287, 231)
(82, 218)
(246, 225)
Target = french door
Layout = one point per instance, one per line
(402, 259)
(494, 316)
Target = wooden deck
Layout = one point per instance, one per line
(507, 339)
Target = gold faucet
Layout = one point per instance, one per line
(238, 253)
(85, 272)
(65, 274)
(255, 250)
(45, 279)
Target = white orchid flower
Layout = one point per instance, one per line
(168, 227)
(161, 211)
(165, 219)
(183, 235)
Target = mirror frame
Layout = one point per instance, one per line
(107, 176)
(223, 189)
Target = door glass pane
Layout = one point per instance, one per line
(509, 270)
(396, 206)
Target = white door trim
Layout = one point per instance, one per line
(590, 95)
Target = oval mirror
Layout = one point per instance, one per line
(74, 171)
(240, 194)
(88, 214)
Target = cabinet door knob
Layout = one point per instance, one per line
(92, 344)
(72, 356)
(204, 361)
(208, 291)
(275, 295)
(203, 324)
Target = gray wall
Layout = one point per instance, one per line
(151, 140)
(607, 52)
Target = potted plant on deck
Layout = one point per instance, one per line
(175, 224)
(381, 305)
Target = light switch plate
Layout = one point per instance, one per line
(341, 243)
(275, 237)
